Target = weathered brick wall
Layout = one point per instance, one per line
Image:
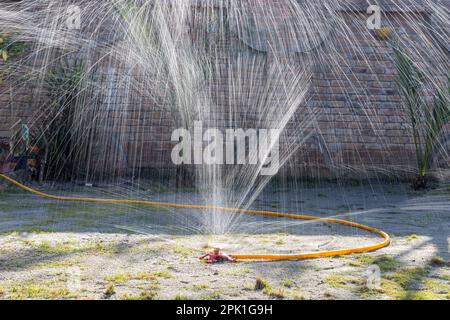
(360, 130)
(15, 108)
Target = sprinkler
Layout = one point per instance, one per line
(216, 256)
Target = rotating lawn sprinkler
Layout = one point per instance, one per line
(216, 256)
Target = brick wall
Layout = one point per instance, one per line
(360, 130)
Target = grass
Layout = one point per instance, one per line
(58, 264)
(261, 284)
(46, 247)
(328, 295)
(412, 237)
(287, 283)
(248, 286)
(446, 277)
(143, 295)
(400, 285)
(180, 297)
(341, 281)
(119, 278)
(277, 293)
(213, 296)
(145, 276)
(297, 296)
(407, 276)
(201, 286)
(264, 286)
(436, 286)
(387, 263)
(420, 295)
(182, 250)
(110, 290)
(239, 271)
(163, 274)
(40, 290)
(438, 261)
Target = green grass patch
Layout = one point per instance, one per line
(46, 247)
(386, 263)
(163, 274)
(216, 295)
(182, 250)
(40, 290)
(342, 281)
(240, 271)
(201, 286)
(261, 284)
(438, 261)
(277, 293)
(407, 276)
(143, 295)
(145, 276)
(58, 264)
(287, 283)
(399, 286)
(110, 290)
(412, 237)
(119, 278)
(437, 286)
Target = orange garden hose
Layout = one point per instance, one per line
(295, 256)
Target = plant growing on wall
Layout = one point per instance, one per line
(427, 119)
(9, 47)
(54, 133)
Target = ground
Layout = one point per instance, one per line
(53, 250)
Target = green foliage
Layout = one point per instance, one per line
(64, 85)
(288, 283)
(110, 290)
(386, 263)
(261, 284)
(438, 261)
(426, 119)
(143, 295)
(412, 237)
(119, 278)
(341, 281)
(213, 296)
(9, 47)
(407, 276)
